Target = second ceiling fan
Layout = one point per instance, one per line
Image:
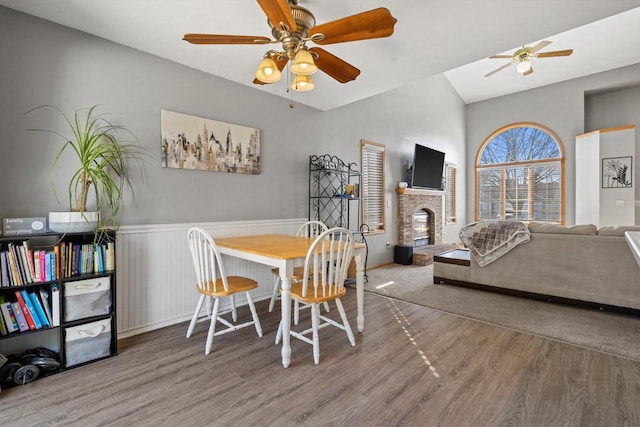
(292, 27)
(522, 57)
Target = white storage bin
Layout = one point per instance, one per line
(86, 298)
(87, 342)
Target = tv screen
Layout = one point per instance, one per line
(428, 165)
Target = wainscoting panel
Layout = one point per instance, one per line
(155, 281)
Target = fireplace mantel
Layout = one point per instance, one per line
(420, 191)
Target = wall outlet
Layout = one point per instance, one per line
(388, 245)
(619, 202)
(637, 202)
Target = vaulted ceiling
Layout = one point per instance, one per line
(431, 37)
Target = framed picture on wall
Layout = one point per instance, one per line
(191, 142)
(616, 172)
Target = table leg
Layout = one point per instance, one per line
(360, 291)
(285, 301)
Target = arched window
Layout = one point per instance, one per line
(520, 175)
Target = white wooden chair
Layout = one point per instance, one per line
(325, 271)
(213, 283)
(308, 229)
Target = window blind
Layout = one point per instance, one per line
(373, 185)
(450, 194)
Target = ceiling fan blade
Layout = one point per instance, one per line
(501, 57)
(223, 39)
(278, 11)
(335, 67)
(498, 69)
(373, 24)
(539, 46)
(281, 62)
(529, 71)
(554, 53)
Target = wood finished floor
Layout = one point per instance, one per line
(412, 366)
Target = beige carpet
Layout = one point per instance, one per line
(613, 333)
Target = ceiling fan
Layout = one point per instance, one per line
(523, 56)
(292, 27)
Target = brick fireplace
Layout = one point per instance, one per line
(414, 205)
(414, 201)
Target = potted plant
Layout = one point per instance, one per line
(105, 155)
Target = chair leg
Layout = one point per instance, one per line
(256, 320)
(195, 316)
(326, 307)
(345, 322)
(234, 311)
(274, 295)
(315, 321)
(212, 326)
(208, 306)
(296, 312)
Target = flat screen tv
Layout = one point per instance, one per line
(428, 165)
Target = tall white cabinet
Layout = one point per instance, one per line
(606, 177)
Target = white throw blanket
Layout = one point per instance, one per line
(489, 240)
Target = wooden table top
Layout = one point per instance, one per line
(281, 246)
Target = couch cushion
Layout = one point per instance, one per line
(545, 227)
(617, 230)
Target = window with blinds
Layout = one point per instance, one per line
(372, 161)
(450, 195)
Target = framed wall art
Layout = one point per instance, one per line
(190, 142)
(616, 172)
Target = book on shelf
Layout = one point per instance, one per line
(18, 262)
(4, 265)
(111, 262)
(25, 310)
(44, 297)
(36, 266)
(56, 262)
(39, 309)
(13, 266)
(9, 318)
(43, 266)
(32, 310)
(3, 330)
(47, 267)
(55, 305)
(76, 260)
(20, 316)
(24, 262)
(27, 250)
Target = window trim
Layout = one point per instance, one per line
(560, 159)
(373, 146)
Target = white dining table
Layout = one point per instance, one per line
(287, 252)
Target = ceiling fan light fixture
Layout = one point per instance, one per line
(303, 64)
(524, 66)
(268, 71)
(302, 83)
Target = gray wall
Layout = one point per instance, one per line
(620, 107)
(560, 107)
(44, 63)
(428, 112)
